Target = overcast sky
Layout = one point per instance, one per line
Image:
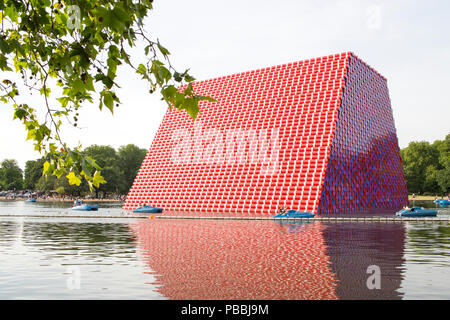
(406, 41)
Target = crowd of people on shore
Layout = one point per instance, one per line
(23, 195)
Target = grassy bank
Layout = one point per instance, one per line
(423, 198)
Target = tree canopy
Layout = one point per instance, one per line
(11, 176)
(427, 166)
(130, 158)
(33, 172)
(69, 52)
(119, 169)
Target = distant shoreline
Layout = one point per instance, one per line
(60, 200)
(424, 198)
(419, 198)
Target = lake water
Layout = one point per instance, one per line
(68, 257)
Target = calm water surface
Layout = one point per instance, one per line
(68, 257)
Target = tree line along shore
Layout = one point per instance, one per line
(61, 199)
(119, 168)
(58, 199)
(426, 167)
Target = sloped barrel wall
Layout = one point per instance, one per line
(275, 138)
(365, 168)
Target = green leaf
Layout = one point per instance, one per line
(45, 91)
(31, 134)
(59, 172)
(169, 92)
(52, 147)
(164, 74)
(193, 112)
(98, 179)
(142, 69)
(85, 167)
(191, 106)
(4, 46)
(20, 114)
(11, 12)
(188, 78)
(64, 101)
(4, 64)
(78, 86)
(109, 101)
(121, 14)
(189, 90)
(179, 100)
(93, 163)
(208, 99)
(73, 179)
(108, 82)
(47, 168)
(90, 84)
(163, 50)
(177, 77)
(147, 48)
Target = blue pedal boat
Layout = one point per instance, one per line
(148, 209)
(443, 203)
(417, 212)
(31, 200)
(80, 206)
(294, 214)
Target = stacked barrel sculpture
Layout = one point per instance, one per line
(315, 136)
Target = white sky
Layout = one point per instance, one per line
(406, 41)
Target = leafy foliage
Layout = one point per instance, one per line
(108, 161)
(11, 176)
(130, 158)
(33, 172)
(119, 170)
(71, 50)
(427, 166)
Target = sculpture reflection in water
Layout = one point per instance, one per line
(196, 259)
(354, 247)
(236, 259)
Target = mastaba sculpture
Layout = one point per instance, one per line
(315, 136)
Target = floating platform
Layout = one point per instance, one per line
(321, 219)
(70, 216)
(441, 219)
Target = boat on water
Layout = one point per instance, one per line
(417, 212)
(31, 200)
(148, 209)
(295, 214)
(80, 206)
(443, 203)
